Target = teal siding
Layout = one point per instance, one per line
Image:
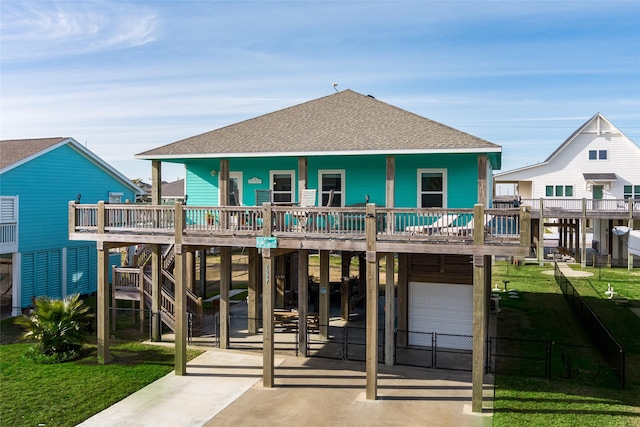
(82, 273)
(364, 175)
(45, 185)
(41, 275)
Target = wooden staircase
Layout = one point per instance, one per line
(134, 283)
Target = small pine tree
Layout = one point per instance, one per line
(58, 326)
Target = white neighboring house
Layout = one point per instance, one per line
(596, 162)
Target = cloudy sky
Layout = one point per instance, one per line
(124, 77)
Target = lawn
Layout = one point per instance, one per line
(591, 397)
(66, 394)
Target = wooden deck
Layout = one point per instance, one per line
(317, 228)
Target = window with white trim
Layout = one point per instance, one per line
(331, 180)
(632, 192)
(283, 186)
(559, 191)
(598, 155)
(432, 188)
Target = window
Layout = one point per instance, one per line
(115, 197)
(632, 192)
(598, 155)
(282, 186)
(432, 188)
(331, 180)
(559, 191)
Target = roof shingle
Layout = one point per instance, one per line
(345, 122)
(14, 150)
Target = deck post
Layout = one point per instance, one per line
(303, 300)
(225, 286)
(344, 285)
(541, 234)
(479, 312)
(483, 171)
(103, 304)
(630, 225)
(303, 171)
(180, 294)
(325, 293)
(268, 282)
(372, 304)
(156, 292)
(252, 292)
(583, 230)
(389, 311)
(403, 299)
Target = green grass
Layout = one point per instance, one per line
(593, 396)
(66, 394)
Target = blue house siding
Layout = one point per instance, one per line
(364, 175)
(45, 185)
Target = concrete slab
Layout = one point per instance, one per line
(213, 381)
(322, 392)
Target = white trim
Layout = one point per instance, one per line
(292, 174)
(320, 153)
(343, 194)
(419, 188)
(232, 175)
(16, 278)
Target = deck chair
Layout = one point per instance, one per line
(441, 225)
(263, 196)
(307, 199)
(467, 229)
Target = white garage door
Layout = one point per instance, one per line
(444, 309)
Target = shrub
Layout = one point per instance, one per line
(58, 326)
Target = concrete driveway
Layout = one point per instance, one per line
(224, 388)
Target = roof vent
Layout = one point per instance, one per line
(371, 96)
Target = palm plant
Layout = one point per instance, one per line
(57, 325)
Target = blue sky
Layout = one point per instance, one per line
(124, 77)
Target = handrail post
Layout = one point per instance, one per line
(101, 219)
(72, 217)
(371, 304)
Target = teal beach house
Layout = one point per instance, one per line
(38, 179)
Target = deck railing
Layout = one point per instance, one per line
(329, 222)
(577, 205)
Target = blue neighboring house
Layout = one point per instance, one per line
(38, 179)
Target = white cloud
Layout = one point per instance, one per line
(40, 30)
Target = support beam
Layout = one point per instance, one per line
(583, 230)
(202, 253)
(325, 293)
(281, 282)
(630, 225)
(225, 286)
(156, 292)
(389, 311)
(483, 171)
(180, 308)
(252, 292)
(156, 182)
(479, 312)
(191, 270)
(103, 305)
(268, 284)
(303, 300)
(403, 299)
(390, 192)
(303, 178)
(344, 286)
(372, 304)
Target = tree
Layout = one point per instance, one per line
(58, 326)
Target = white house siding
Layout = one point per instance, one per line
(569, 164)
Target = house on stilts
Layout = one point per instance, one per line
(343, 173)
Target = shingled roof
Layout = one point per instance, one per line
(342, 123)
(15, 150)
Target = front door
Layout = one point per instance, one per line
(597, 192)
